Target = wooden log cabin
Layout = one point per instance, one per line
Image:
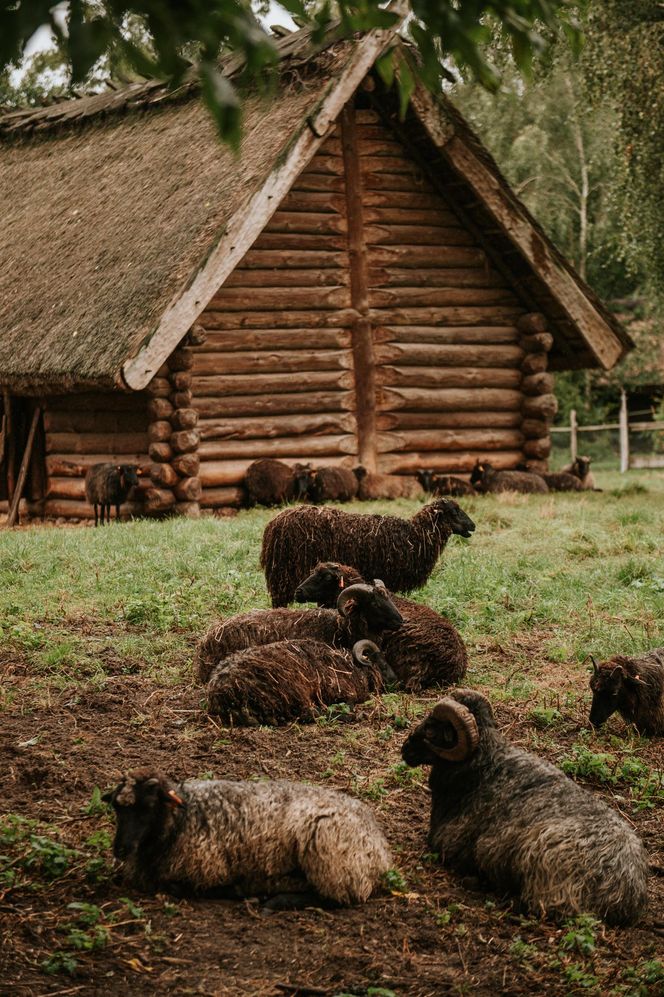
(352, 288)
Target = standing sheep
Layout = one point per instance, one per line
(271, 482)
(444, 484)
(332, 484)
(485, 478)
(107, 485)
(247, 837)
(520, 823)
(403, 552)
(634, 687)
(386, 486)
(363, 612)
(293, 680)
(426, 650)
(580, 468)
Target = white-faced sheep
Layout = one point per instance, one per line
(485, 478)
(109, 485)
(249, 838)
(363, 612)
(520, 823)
(386, 486)
(633, 687)
(332, 484)
(403, 552)
(271, 482)
(580, 468)
(444, 484)
(426, 650)
(294, 680)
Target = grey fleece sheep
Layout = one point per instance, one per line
(520, 823)
(294, 680)
(252, 838)
(426, 650)
(363, 612)
(485, 478)
(634, 687)
(386, 486)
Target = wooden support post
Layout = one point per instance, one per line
(11, 444)
(573, 434)
(23, 472)
(362, 333)
(624, 433)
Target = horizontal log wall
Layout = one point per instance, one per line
(85, 429)
(446, 344)
(272, 372)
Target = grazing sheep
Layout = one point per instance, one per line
(580, 468)
(294, 680)
(426, 650)
(248, 838)
(107, 485)
(332, 484)
(271, 482)
(444, 484)
(363, 612)
(634, 687)
(519, 822)
(485, 478)
(403, 552)
(386, 486)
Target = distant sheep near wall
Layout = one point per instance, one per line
(332, 484)
(386, 486)
(444, 484)
(109, 485)
(633, 687)
(271, 482)
(485, 478)
(580, 468)
(249, 838)
(426, 650)
(402, 552)
(520, 823)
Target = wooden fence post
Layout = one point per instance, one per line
(573, 439)
(624, 433)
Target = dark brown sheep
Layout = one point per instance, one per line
(363, 612)
(107, 485)
(332, 484)
(425, 651)
(580, 468)
(271, 482)
(557, 481)
(386, 486)
(634, 687)
(403, 552)
(444, 484)
(293, 680)
(486, 478)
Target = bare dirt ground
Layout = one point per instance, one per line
(437, 935)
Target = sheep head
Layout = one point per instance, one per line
(301, 481)
(325, 583)
(360, 472)
(451, 732)
(366, 653)
(581, 466)
(614, 683)
(143, 801)
(128, 475)
(372, 603)
(450, 514)
(425, 478)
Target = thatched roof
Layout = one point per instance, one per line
(124, 213)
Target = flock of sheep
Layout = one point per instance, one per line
(498, 811)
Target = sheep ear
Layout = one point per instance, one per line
(595, 668)
(342, 583)
(620, 670)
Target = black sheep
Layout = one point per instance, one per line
(107, 485)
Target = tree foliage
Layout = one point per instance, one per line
(443, 31)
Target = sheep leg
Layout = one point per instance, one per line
(117, 512)
(96, 507)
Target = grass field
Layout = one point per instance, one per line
(97, 629)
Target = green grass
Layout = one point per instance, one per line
(551, 578)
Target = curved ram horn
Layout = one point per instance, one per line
(464, 726)
(363, 649)
(595, 666)
(351, 593)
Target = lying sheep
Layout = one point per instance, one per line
(332, 484)
(403, 552)
(386, 486)
(485, 478)
(251, 838)
(107, 485)
(444, 484)
(634, 687)
(271, 482)
(557, 481)
(363, 612)
(519, 822)
(580, 468)
(294, 680)
(426, 650)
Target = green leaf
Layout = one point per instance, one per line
(223, 103)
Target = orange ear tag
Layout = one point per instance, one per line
(175, 799)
